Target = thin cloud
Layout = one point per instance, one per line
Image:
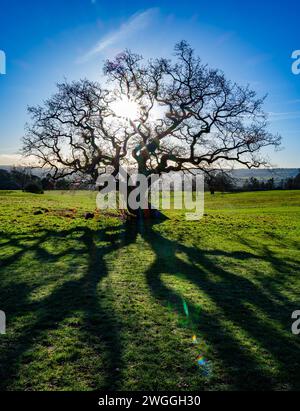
(290, 115)
(134, 24)
(259, 59)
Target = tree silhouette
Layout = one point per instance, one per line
(160, 116)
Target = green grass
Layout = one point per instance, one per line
(98, 304)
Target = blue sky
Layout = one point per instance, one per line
(47, 41)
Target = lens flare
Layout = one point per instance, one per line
(204, 365)
(185, 308)
(201, 360)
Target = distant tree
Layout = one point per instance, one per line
(63, 184)
(47, 182)
(33, 187)
(297, 181)
(7, 182)
(270, 184)
(219, 181)
(185, 115)
(293, 183)
(21, 175)
(254, 184)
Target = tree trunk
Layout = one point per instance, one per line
(143, 213)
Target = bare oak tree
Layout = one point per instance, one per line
(187, 116)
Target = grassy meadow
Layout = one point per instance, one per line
(107, 304)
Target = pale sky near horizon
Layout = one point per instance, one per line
(45, 42)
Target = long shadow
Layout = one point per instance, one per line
(232, 295)
(100, 324)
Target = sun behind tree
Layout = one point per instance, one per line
(201, 120)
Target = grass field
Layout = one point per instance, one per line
(102, 304)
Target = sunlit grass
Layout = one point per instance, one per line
(97, 304)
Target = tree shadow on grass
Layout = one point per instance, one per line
(245, 311)
(242, 306)
(99, 325)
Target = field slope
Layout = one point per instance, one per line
(99, 304)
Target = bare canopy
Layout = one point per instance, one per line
(187, 116)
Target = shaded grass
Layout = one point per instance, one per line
(98, 304)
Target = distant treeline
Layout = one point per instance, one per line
(253, 184)
(24, 179)
(224, 182)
